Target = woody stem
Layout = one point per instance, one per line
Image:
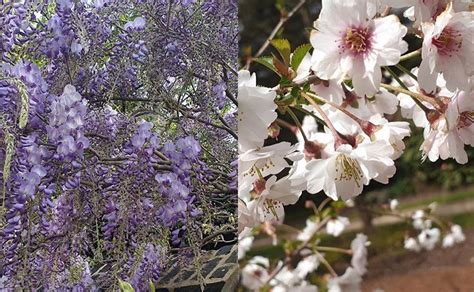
(323, 115)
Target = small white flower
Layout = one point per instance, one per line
(448, 240)
(348, 41)
(359, 253)
(285, 277)
(255, 274)
(291, 279)
(308, 231)
(412, 244)
(391, 132)
(383, 102)
(419, 221)
(364, 107)
(428, 238)
(455, 236)
(245, 242)
(393, 204)
(336, 226)
(306, 266)
(349, 282)
(329, 89)
(409, 108)
(459, 236)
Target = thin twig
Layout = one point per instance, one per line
(418, 96)
(297, 251)
(283, 20)
(410, 55)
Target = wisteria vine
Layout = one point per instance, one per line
(117, 129)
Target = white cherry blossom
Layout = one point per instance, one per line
(359, 253)
(344, 172)
(347, 40)
(412, 244)
(447, 132)
(419, 221)
(454, 236)
(245, 242)
(394, 204)
(460, 113)
(253, 121)
(428, 238)
(328, 89)
(270, 199)
(349, 282)
(308, 231)
(337, 225)
(255, 274)
(382, 102)
(264, 161)
(447, 48)
(391, 132)
(290, 279)
(425, 10)
(245, 218)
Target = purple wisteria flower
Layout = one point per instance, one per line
(117, 132)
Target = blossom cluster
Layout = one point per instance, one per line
(342, 94)
(428, 235)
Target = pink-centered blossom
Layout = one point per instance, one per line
(349, 42)
(448, 46)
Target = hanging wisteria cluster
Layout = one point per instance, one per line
(339, 91)
(117, 131)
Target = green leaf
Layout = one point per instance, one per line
(152, 286)
(338, 205)
(327, 212)
(295, 91)
(267, 62)
(285, 82)
(284, 48)
(306, 87)
(298, 55)
(281, 5)
(281, 68)
(125, 287)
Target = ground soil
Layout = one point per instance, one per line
(441, 270)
